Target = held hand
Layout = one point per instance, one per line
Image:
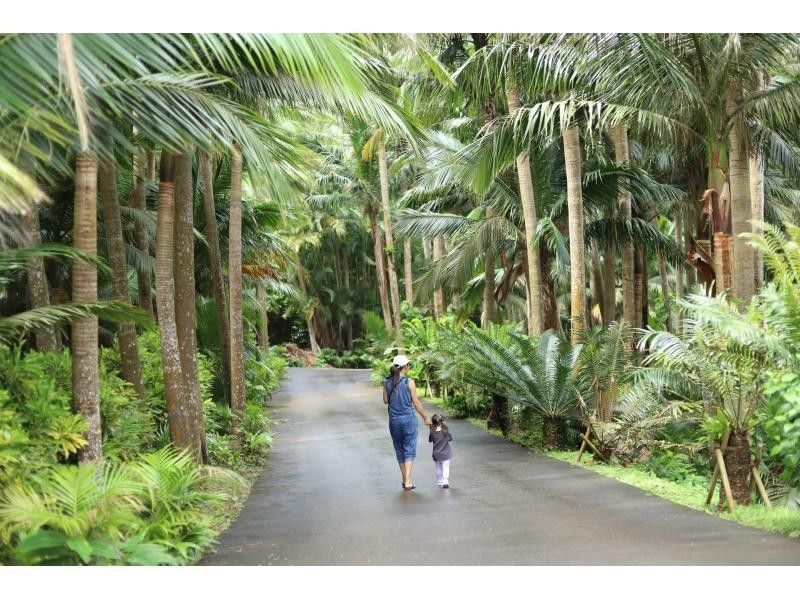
(426, 420)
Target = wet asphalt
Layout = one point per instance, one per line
(330, 495)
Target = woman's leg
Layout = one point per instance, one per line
(410, 432)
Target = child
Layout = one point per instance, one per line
(442, 453)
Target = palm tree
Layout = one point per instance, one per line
(572, 159)
(38, 291)
(85, 357)
(235, 278)
(112, 223)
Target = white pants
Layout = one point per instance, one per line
(442, 471)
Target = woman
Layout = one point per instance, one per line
(400, 393)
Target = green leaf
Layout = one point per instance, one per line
(82, 547)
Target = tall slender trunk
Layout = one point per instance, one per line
(662, 272)
(38, 291)
(756, 167)
(535, 310)
(383, 292)
(577, 269)
(552, 317)
(349, 323)
(609, 284)
(140, 236)
(263, 320)
(438, 293)
(115, 246)
(741, 206)
(235, 277)
(387, 228)
(179, 413)
(679, 274)
(619, 136)
(596, 287)
(489, 308)
(85, 356)
(185, 310)
(217, 279)
(427, 249)
(408, 271)
(639, 287)
(301, 280)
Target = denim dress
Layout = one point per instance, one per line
(402, 420)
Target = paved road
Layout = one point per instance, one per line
(331, 495)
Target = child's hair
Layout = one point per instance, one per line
(438, 421)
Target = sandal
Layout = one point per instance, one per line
(411, 487)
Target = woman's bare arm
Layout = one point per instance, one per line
(385, 397)
(417, 405)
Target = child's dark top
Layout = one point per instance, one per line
(441, 444)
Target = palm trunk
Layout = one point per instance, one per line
(383, 293)
(185, 311)
(409, 272)
(596, 287)
(737, 465)
(552, 318)
(312, 336)
(438, 293)
(553, 433)
(489, 308)
(387, 227)
(38, 291)
(662, 272)
(577, 270)
(263, 321)
(217, 280)
(609, 284)
(756, 167)
(639, 287)
(235, 277)
(179, 413)
(498, 414)
(619, 136)
(427, 249)
(678, 274)
(85, 357)
(112, 221)
(741, 207)
(535, 310)
(349, 315)
(140, 238)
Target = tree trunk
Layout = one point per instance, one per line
(235, 277)
(115, 245)
(596, 287)
(140, 237)
(552, 318)
(662, 272)
(535, 311)
(553, 433)
(438, 293)
(679, 274)
(409, 271)
(741, 207)
(380, 271)
(619, 136)
(263, 321)
(217, 279)
(737, 466)
(498, 415)
(489, 308)
(756, 167)
(387, 228)
(609, 284)
(185, 310)
(572, 160)
(85, 356)
(179, 414)
(427, 249)
(38, 291)
(349, 323)
(639, 287)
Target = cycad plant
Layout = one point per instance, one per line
(536, 371)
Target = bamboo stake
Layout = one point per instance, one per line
(583, 444)
(715, 475)
(725, 482)
(594, 448)
(755, 477)
(755, 463)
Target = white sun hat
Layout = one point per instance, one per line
(401, 361)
